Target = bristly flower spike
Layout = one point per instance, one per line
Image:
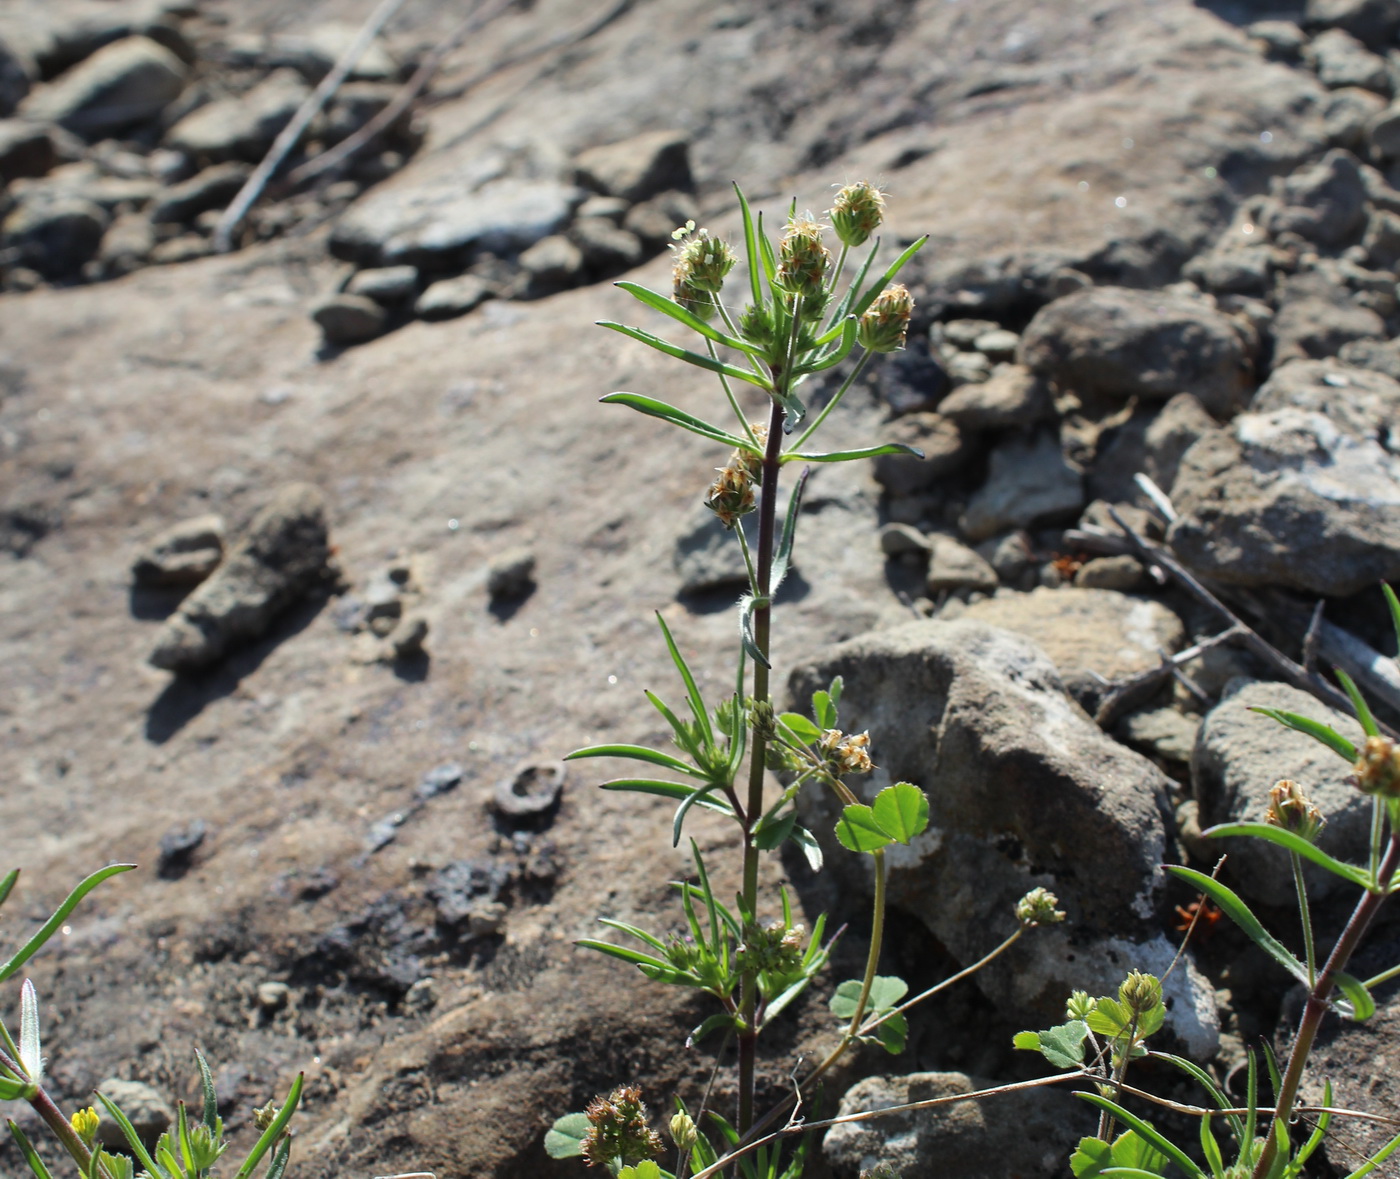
(883, 327)
(857, 212)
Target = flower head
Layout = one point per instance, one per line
(1140, 993)
(84, 1123)
(1037, 907)
(803, 258)
(884, 325)
(698, 269)
(1293, 810)
(1378, 768)
(618, 1130)
(846, 754)
(857, 212)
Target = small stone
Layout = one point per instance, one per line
(911, 381)
(439, 780)
(422, 997)
(1011, 396)
(1029, 480)
(1341, 60)
(486, 919)
(177, 848)
(999, 344)
(638, 168)
(349, 319)
(127, 245)
(1384, 133)
(654, 221)
(388, 285)
(1110, 573)
(953, 566)
(967, 368)
(273, 996)
(148, 1112)
(243, 127)
(314, 52)
(945, 447)
(1324, 203)
(552, 264)
(1281, 40)
(605, 248)
(1161, 732)
(511, 575)
(406, 640)
(211, 189)
(187, 247)
(1010, 555)
(55, 234)
(25, 150)
(898, 539)
(963, 333)
(450, 297)
(124, 83)
(607, 208)
(184, 554)
(532, 792)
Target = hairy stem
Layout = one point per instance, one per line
(1316, 1006)
(62, 1130)
(1305, 914)
(748, 989)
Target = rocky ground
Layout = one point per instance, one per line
(319, 553)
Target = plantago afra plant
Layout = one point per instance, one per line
(189, 1150)
(800, 310)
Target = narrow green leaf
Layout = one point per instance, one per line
(673, 790)
(859, 831)
(748, 640)
(182, 1135)
(565, 1137)
(836, 355)
(719, 1021)
(1394, 603)
(1207, 1082)
(778, 1003)
(863, 304)
(666, 306)
(800, 727)
(696, 796)
(15, 1090)
(765, 252)
(751, 248)
(1362, 1005)
(699, 360)
(280, 1157)
(1294, 843)
(677, 417)
(901, 811)
(1238, 912)
(633, 931)
(133, 1139)
(653, 968)
(31, 1156)
(1210, 1148)
(685, 738)
(697, 702)
(207, 1092)
(1376, 1159)
(809, 845)
(54, 923)
(637, 753)
(845, 456)
(842, 309)
(712, 907)
(1314, 729)
(783, 558)
(8, 884)
(1149, 1132)
(1358, 704)
(274, 1131)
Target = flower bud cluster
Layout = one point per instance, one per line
(84, 1123)
(1140, 993)
(683, 1131)
(698, 270)
(618, 1130)
(1378, 768)
(1079, 1005)
(857, 212)
(846, 754)
(771, 949)
(885, 324)
(1291, 809)
(1037, 907)
(803, 259)
(731, 495)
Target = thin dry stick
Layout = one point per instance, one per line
(1122, 694)
(286, 140)
(1198, 1111)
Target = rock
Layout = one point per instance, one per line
(1024, 792)
(1383, 134)
(421, 997)
(349, 319)
(1381, 356)
(1091, 635)
(14, 79)
(1313, 327)
(1280, 40)
(124, 83)
(1348, 114)
(999, 344)
(1382, 241)
(606, 249)
(55, 235)
(532, 792)
(1231, 272)
(439, 780)
(1120, 343)
(1300, 491)
(184, 554)
(282, 555)
(511, 575)
(1374, 22)
(355, 105)
(897, 540)
(406, 640)
(966, 368)
(184, 248)
(1181, 421)
(389, 285)
(25, 150)
(603, 208)
(273, 996)
(707, 557)
(148, 1112)
(1341, 60)
(552, 264)
(1239, 755)
(127, 244)
(1110, 573)
(241, 128)
(450, 297)
(441, 221)
(1011, 396)
(954, 566)
(1325, 203)
(212, 188)
(1010, 555)
(963, 334)
(946, 450)
(655, 220)
(177, 848)
(911, 381)
(1161, 732)
(315, 51)
(1027, 1133)
(638, 168)
(1029, 479)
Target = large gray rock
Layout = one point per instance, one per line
(1317, 327)
(55, 233)
(244, 127)
(1302, 491)
(212, 188)
(1024, 791)
(14, 78)
(1124, 343)
(638, 168)
(1031, 1132)
(440, 222)
(1172, 433)
(183, 554)
(1325, 203)
(1029, 479)
(25, 150)
(946, 450)
(1371, 21)
(283, 553)
(1091, 635)
(1011, 396)
(1341, 60)
(124, 83)
(314, 52)
(1239, 755)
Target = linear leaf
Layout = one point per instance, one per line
(863, 304)
(1394, 603)
(133, 1139)
(1314, 729)
(1358, 702)
(699, 360)
(673, 790)
(844, 456)
(765, 252)
(633, 931)
(751, 247)
(637, 753)
(719, 1020)
(836, 355)
(1362, 1005)
(52, 925)
(901, 810)
(748, 640)
(809, 845)
(677, 417)
(31, 1156)
(8, 884)
(692, 691)
(274, 1131)
(783, 557)
(1238, 912)
(653, 968)
(1148, 1131)
(661, 303)
(696, 796)
(11, 1090)
(684, 738)
(1294, 843)
(853, 292)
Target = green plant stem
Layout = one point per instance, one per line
(733, 401)
(830, 405)
(62, 1130)
(1309, 950)
(877, 935)
(1316, 1006)
(748, 988)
